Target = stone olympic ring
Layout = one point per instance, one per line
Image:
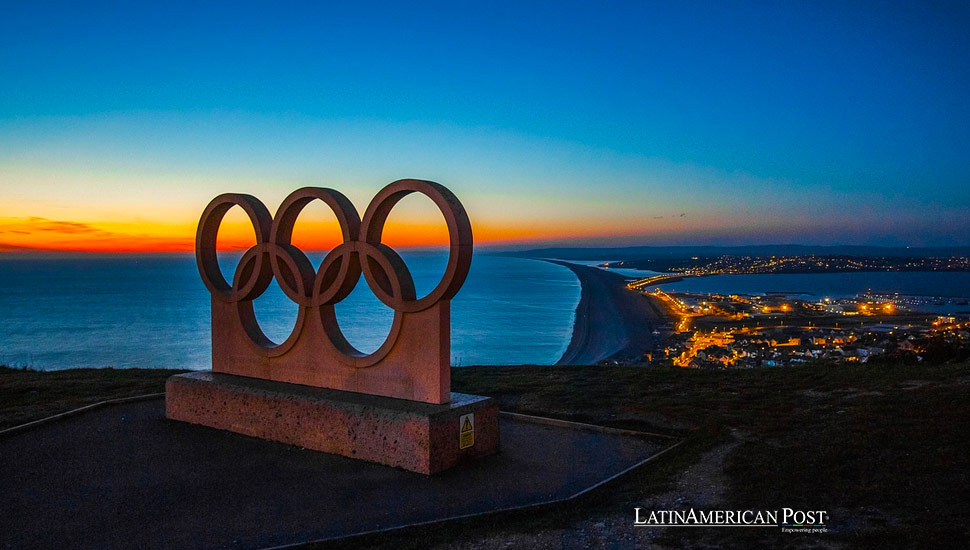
(361, 252)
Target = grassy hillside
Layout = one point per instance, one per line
(884, 449)
(27, 395)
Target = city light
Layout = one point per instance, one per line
(744, 331)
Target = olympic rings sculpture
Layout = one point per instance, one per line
(360, 253)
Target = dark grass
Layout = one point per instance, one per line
(885, 449)
(27, 395)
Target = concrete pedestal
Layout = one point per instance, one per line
(415, 436)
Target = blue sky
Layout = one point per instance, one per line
(763, 122)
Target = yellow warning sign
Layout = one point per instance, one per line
(466, 433)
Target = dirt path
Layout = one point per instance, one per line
(700, 486)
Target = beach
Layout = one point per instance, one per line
(612, 323)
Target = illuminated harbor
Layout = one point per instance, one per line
(710, 330)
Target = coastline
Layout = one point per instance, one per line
(612, 323)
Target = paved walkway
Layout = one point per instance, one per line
(126, 477)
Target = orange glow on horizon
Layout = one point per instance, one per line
(413, 225)
(35, 234)
(414, 222)
(31, 235)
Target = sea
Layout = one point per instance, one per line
(153, 311)
(940, 292)
(944, 285)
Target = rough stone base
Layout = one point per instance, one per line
(415, 436)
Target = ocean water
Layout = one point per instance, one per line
(953, 285)
(153, 311)
(953, 288)
(834, 285)
(935, 292)
(949, 284)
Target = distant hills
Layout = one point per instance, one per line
(682, 252)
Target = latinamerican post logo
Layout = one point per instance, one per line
(788, 520)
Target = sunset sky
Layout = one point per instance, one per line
(593, 123)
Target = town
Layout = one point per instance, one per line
(773, 330)
(811, 263)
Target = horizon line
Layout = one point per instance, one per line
(519, 247)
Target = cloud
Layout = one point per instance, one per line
(38, 234)
(35, 224)
(57, 226)
(10, 247)
(34, 233)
